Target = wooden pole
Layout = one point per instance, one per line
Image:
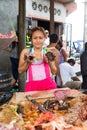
(51, 16)
(22, 34)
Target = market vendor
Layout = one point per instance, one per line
(38, 65)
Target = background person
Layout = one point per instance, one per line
(69, 77)
(63, 52)
(14, 61)
(28, 40)
(83, 62)
(62, 57)
(47, 40)
(13, 49)
(39, 66)
(52, 46)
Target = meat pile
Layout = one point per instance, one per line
(8, 127)
(49, 121)
(61, 94)
(83, 109)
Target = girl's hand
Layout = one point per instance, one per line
(50, 56)
(28, 58)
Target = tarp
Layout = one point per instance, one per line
(6, 39)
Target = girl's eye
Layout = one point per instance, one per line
(34, 38)
(40, 37)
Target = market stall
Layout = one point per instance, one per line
(58, 109)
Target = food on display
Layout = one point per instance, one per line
(45, 111)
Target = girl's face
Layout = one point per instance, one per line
(38, 39)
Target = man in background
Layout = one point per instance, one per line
(52, 47)
(83, 62)
(69, 77)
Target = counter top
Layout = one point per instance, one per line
(59, 122)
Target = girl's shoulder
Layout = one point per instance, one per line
(24, 51)
(27, 49)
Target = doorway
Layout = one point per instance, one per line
(44, 24)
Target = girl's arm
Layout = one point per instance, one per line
(23, 64)
(53, 67)
(50, 59)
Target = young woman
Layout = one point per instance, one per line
(62, 58)
(38, 66)
(63, 52)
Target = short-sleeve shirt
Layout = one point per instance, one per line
(66, 71)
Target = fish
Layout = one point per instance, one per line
(5, 97)
(40, 107)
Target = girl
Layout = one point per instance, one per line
(38, 66)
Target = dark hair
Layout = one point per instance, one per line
(53, 38)
(71, 60)
(60, 43)
(13, 44)
(38, 29)
(86, 46)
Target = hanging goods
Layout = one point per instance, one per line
(6, 39)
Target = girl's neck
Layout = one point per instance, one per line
(38, 54)
(37, 50)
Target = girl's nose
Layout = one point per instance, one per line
(38, 39)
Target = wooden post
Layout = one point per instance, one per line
(22, 41)
(51, 16)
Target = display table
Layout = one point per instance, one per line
(53, 119)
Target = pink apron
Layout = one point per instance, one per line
(37, 85)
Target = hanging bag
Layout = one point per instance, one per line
(6, 39)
